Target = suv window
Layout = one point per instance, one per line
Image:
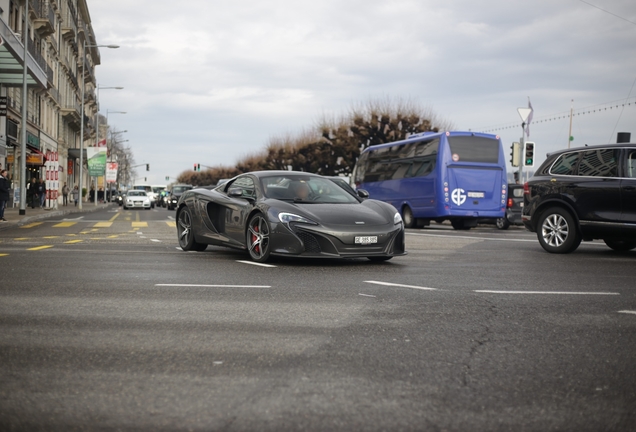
(565, 164)
(631, 165)
(599, 163)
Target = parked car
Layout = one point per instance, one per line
(288, 213)
(513, 208)
(174, 194)
(582, 194)
(137, 199)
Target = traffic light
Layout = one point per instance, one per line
(515, 154)
(195, 167)
(198, 167)
(529, 154)
(147, 167)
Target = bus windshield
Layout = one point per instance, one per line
(474, 149)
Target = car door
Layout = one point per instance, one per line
(238, 208)
(595, 189)
(628, 188)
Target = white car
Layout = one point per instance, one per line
(137, 199)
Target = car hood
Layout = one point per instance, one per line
(364, 214)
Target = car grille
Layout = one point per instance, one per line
(310, 242)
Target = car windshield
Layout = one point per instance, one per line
(305, 189)
(137, 193)
(180, 189)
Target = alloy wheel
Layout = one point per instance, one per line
(555, 230)
(258, 238)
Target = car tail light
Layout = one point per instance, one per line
(526, 189)
(510, 202)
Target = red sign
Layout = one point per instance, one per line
(69, 168)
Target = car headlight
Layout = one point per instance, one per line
(286, 218)
(397, 219)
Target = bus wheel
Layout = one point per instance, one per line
(460, 225)
(407, 216)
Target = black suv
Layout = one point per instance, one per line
(174, 194)
(584, 193)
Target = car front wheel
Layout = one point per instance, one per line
(621, 245)
(185, 234)
(557, 231)
(257, 240)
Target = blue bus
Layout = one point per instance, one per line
(455, 176)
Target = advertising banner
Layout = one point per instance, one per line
(96, 161)
(111, 172)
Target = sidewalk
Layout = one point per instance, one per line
(13, 217)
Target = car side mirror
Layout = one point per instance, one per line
(235, 192)
(363, 193)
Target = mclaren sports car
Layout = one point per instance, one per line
(288, 213)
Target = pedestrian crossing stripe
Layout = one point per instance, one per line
(140, 224)
(73, 241)
(64, 224)
(40, 248)
(103, 225)
(172, 224)
(32, 224)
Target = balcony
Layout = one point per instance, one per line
(36, 55)
(71, 111)
(44, 23)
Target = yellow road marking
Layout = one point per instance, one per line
(73, 241)
(51, 237)
(22, 238)
(64, 224)
(103, 225)
(4, 255)
(114, 217)
(71, 235)
(31, 225)
(136, 217)
(40, 248)
(140, 224)
(113, 236)
(172, 224)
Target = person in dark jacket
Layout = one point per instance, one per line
(4, 193)
(32, 193)
(42, 192)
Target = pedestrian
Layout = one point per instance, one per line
(32, 192)
(75, 195)
(4, 193)
(65, 192)
(42, 192)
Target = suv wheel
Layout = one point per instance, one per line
(557, 231)
(621, 245)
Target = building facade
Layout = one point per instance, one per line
(59, 72)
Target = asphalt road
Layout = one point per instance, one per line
(106, 325)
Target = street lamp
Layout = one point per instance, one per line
(81, 164)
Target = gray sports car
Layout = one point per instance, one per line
(287, 213)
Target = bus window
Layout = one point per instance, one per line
(474, 149)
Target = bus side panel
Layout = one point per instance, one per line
(419, 194)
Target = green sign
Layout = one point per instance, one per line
(96, 161)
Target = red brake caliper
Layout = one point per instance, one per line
(254, 238)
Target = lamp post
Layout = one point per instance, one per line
(81, 163)
(23, 134)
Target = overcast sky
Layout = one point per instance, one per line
(211, 81)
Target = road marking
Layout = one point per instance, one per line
(114, 217)
(255, 263)
(625, 312)
(103, 225)
(172, 224)
(1, 255)
(214, 286)
(22, 238)
(400, 285)
(40, 248)
(64, 224)
(73, 219)
(366, 295)
(547, 292)
(139, 224)
(31, 225)
(487, 238)
(73, 241)
(155, 240)
(113, 236)
(51, 237)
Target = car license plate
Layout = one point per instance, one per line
(366, 239)
(475, 194)
(520, 204)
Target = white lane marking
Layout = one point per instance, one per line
(214, 286)
(179, 248)
(73, 219)
(366, 295)
(255, 263)
(400, 285)
(171, 217)
(547, 292)
(155, 240)
(139, 233)
(628, 312)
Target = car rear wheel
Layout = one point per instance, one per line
(621, 245)
(257, 238)
(557, 231)
(407, 216)
(185, 234)
(503, 224)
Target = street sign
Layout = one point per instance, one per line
(524, 113)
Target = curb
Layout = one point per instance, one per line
(50, 214)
